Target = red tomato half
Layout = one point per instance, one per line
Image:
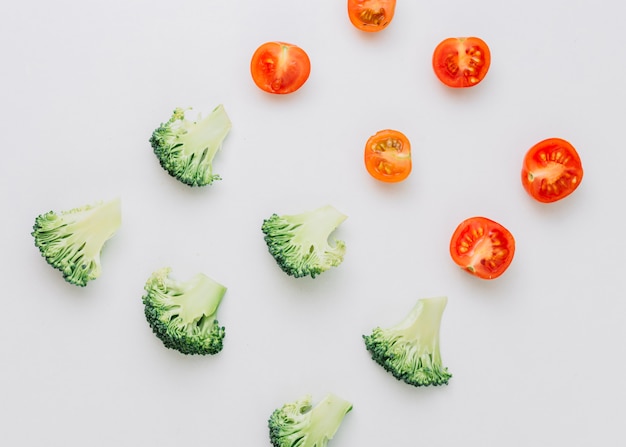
(552, 170)
(388, 156)
(371, 15)
(482, 247)
(461, 61)
(279, 67)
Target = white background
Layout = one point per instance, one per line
(537, 354)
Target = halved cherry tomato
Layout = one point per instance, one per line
(552, 170)
(371, 15)
(388, 156)
(461, 61)
(279, 67)
(482, 247)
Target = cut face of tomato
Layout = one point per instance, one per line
(461, 61)
(482, 247)
(552, 170)
(279, 67)
(388, 156)
(371, 15)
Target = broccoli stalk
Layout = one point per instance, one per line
(410, 349)
(299, 424)
(299, 242)
(71, 241)
(186, 147)
(183, 314)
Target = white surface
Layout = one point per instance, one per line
(537, 355)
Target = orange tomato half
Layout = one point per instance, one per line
(388, 156)
(371, 15)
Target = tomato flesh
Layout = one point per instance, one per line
(279, 67)
(388, 156)
(371, 15)
(461, 62)
(552, 170)
(482, 247)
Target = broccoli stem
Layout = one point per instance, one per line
(213, 129)
(327, 415)
(206, 296)
(422, 324)
(97, 227)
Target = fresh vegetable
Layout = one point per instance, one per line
(409, 350)
(461, 61)
(299, 242)
(482, 247)
(186, 144)
(552, 170)
(183, 313)
(72, 241)
(279, 67)
(300, 424)
(388, 156)
(371, 15)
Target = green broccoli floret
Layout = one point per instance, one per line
(410, 350)
(299, 424)
(71, 241)
(299, 243)
(186, 146)
(183, 314)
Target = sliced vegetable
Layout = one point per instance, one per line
(482, 247)
(371, 15)
(552, 170)
(388, 156)
(461, 61)
(279, 67)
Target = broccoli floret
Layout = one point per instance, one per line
(186, 146)
(410, 349)
(183, 314)
(299, 424)
(71, 241)
(299, 243)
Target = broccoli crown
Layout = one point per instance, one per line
(183, 314)
(410, 349)
(299, 243)
(71, 241)
(186, 147)
(299, 424)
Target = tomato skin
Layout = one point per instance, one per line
(482, 247)
(280, 67)
(552, 170)
(461, 62)
(388, 156)
(371, 15)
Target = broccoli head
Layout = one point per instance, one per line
(410, 349)
(299, 242)
(183, 314)
(299, 424)
(186, 146)
(71, 241)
